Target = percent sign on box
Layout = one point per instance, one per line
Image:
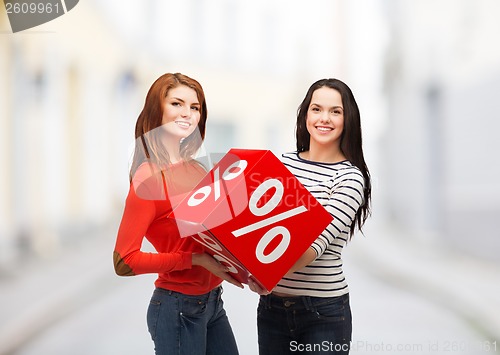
(253, 216)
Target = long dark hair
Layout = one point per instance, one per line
(148, 145)
(351, 143)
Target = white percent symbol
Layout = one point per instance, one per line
(207, 241)
(232, 171)
(263, 210)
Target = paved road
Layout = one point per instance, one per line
(105, 314)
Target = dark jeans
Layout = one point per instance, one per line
(194, 325)
(308, 325)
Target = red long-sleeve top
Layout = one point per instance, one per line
(151, 196)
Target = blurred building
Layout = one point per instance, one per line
(58, 106)
(441, 172)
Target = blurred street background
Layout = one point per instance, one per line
(425, 276)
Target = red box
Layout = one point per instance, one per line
(253, 215)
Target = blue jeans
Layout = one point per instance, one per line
(308, 325)
(183, 324)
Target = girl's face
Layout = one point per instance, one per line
(181, 112)
(325, 118)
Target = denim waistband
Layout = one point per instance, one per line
(214, 294)
(300, 302)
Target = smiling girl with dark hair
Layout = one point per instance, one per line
(309, 308)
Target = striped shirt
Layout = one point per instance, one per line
(339, 189)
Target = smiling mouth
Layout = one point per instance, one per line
(324, 129)
(183, 124)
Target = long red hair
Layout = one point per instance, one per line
(148, 145)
